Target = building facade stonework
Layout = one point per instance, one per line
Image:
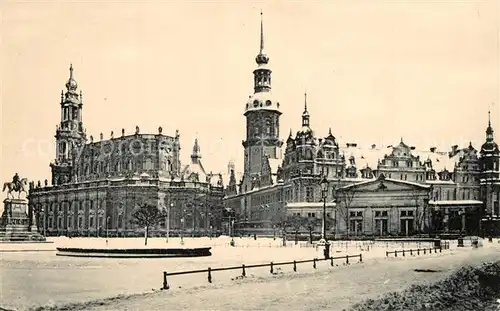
(97, 183)
(374, 190)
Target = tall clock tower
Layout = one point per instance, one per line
(70, 134)
(490, 174)
(262, 122)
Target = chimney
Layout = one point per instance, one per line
(412, 148)
(374, 146)
(433, 149)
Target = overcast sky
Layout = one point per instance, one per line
(375, 71)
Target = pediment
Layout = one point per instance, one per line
(385, 184)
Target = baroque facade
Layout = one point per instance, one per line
(97, 184)
(376, 191)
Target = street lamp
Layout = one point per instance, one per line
(209, 225)
(43, 220)
(107, 225)
(182, 231)
(324, 194)
(232, 229)
(168, 220)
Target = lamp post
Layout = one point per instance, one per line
(209, 224)
(232, 229)
(324, 194)
(168, 220)
(107, 225)
(182, 231)
(44, 211)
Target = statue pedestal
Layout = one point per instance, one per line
(15, 223)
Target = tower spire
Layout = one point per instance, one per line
(305, 114)
(71, 85)
(261, 58)
(196, 155)
(489, 129)
(261, 33)
(305, 101)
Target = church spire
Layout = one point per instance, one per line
(196, 155)
(261, 58)
(305, 114)
(489, 129)
(71, 85)
(261, 33)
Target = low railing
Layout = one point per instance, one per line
(417, 251)
(244, 267)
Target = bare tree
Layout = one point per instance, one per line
(295, 223)
(311, 223)
(345, 197)
(147, 215)
(281, 223)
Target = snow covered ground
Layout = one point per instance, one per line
(325, 289)
(42, 278)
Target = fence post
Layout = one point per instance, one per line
(424, 251)
(403, 252)
(314, 263)
(386, 253)
(395, 253)
(243, 272)
(209, 275)
(346, 259)
(411, 252)
(165, 283)
(418, 251)
(271, 267)
(331, 261)
(360, 257)
(294, 266)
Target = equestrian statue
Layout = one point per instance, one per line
(17, 185)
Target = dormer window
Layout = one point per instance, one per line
(268, 103)
(256, 103)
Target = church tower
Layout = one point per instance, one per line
(262, 123)
(490, 173)
(70, 135)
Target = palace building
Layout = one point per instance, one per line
(374, 191)
(97, 184)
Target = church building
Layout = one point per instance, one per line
(97, 184)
